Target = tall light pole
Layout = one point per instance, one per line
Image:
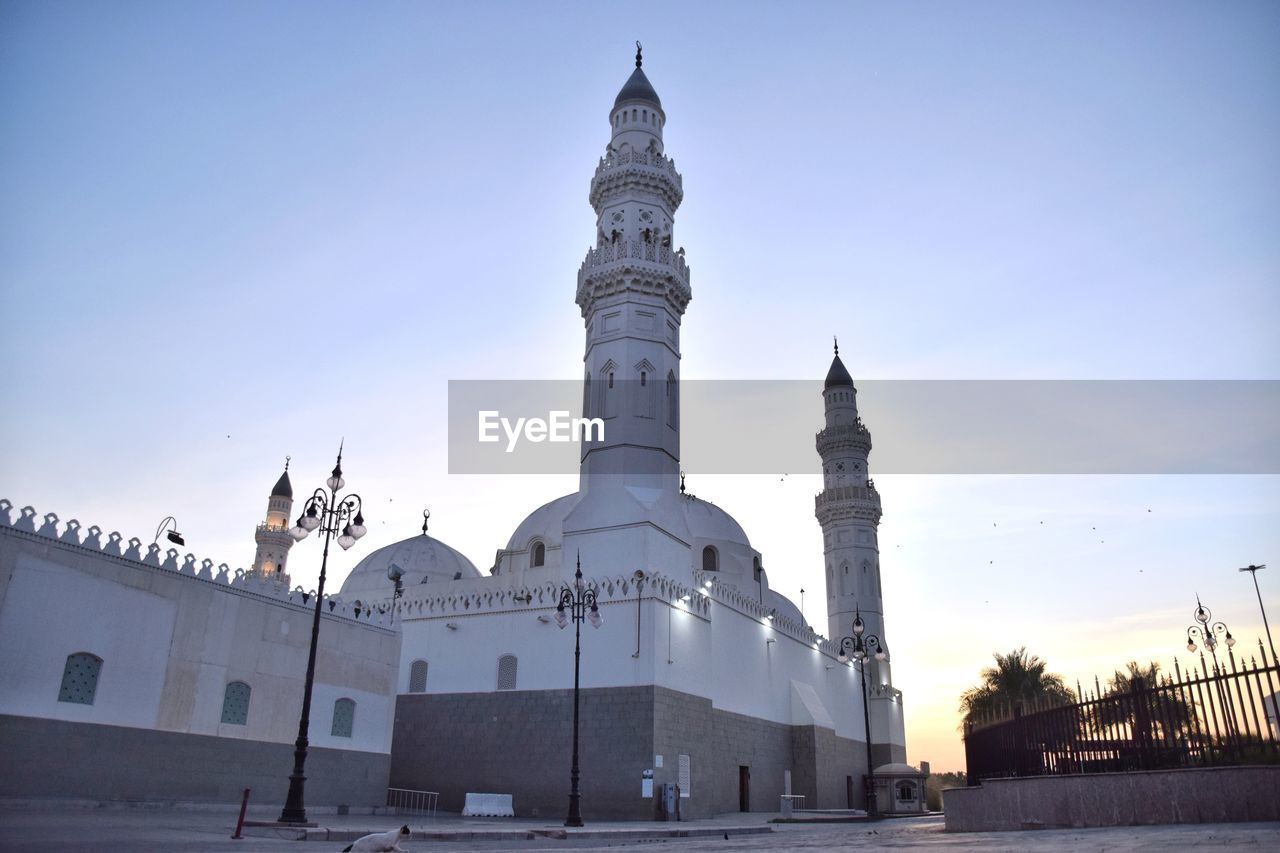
(1253, 570)
(331, 515)
(861, 647)
(580, 600)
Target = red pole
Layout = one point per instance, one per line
(244, 804)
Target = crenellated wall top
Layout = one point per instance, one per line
(30, 524)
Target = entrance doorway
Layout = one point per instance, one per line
(848, 791)
(744, 788)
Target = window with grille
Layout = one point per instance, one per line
(80, 678)
(538, 555)
(507, 672)
(418, 677)
(235, 704)
(344, 717)
(710, 560)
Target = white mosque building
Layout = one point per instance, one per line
(700, 674)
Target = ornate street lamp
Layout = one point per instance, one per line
(580, 601)
(1206, 633)
(859, 648)
(330, 515)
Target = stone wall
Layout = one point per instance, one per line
(519, 743)
(1193, 795)
(61, 759)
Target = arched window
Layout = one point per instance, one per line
(418, 677)
(586, 395)
(710, 560)
(235, 704)
(608, 395)
(673, 401)
(645, 402)
(537, 555)
(344, 717)
(80, 678)
(507, 672)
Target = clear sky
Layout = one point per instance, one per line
(235, 231)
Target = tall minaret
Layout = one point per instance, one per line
(849, 511)
(633, 288)
(272, 535)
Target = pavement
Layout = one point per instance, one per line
(116, 829)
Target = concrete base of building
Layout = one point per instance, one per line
(86, 761)
(1192, 795)
(520, 743)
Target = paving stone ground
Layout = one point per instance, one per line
(121, 830)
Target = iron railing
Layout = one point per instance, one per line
(1223, 714)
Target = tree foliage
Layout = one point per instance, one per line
(1018, 678)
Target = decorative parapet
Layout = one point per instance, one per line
(634, 265)
(848, 502)
(476, 599)
(238, 581)
(837, 494)
(645, 170)
(853, 436)
(733, 598)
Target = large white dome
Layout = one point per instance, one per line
(423, 559)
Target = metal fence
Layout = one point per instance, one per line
(403, 801)
(1225, 713)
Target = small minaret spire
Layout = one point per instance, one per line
(639, 61)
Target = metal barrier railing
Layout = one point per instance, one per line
(405, 801)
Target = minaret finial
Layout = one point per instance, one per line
(426, 517)
(286, 462)
(836, 343)
(638, 59)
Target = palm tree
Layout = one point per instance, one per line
(1017, 678)
(1167, 716)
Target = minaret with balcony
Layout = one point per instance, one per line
(272, 535)
(849, 511)
(633, 288)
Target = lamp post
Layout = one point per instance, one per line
(330, 515)
(1208, 632)
(580, 601)
(1253, 570)
(860, 647)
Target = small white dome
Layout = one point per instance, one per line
(708, 521)
(546, 523)
(896, 770)
(422, 558)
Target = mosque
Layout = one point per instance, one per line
(435, 676)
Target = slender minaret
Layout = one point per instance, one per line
(272, 535)
(849, 511)
(633, 288)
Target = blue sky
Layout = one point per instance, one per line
(231, 232)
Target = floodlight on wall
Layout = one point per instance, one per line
(452, 626)
(173, 535)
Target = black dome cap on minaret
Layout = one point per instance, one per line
(283, 488)
(637, 87)
(838, 376)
